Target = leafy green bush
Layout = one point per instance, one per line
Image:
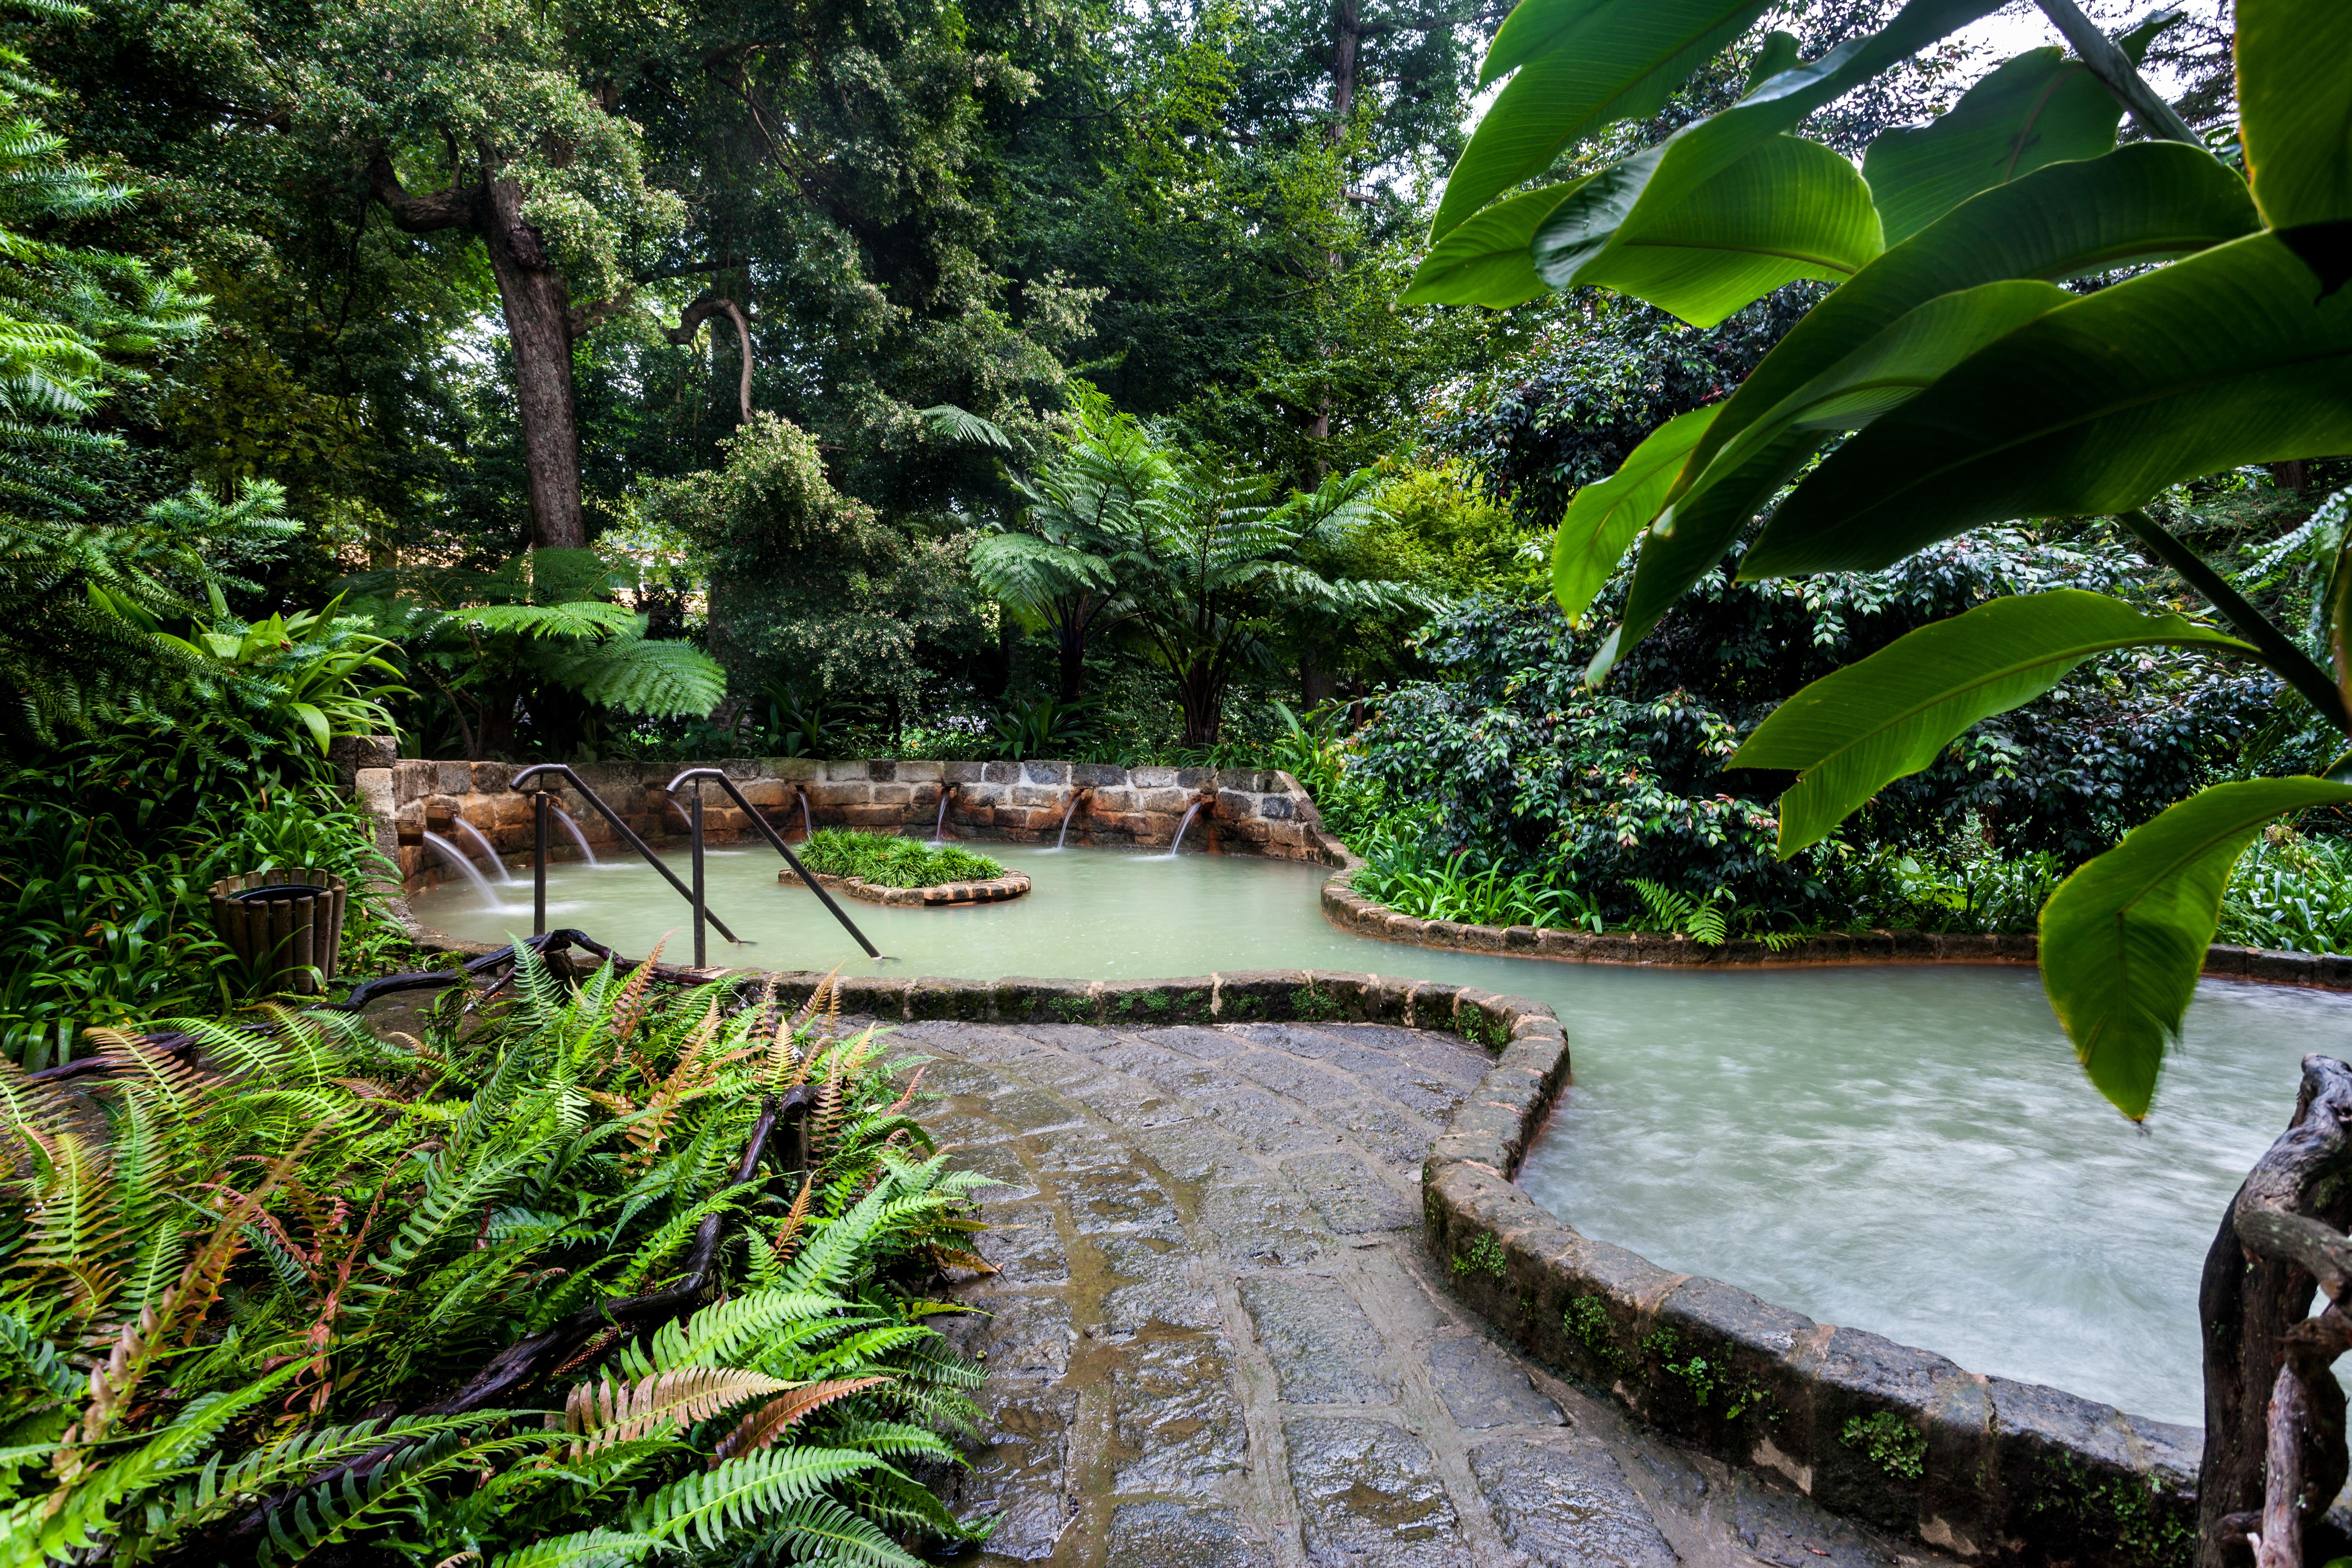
(888, 861)
(2291, 893)
(287, 1262)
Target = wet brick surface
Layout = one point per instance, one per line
(1214, 1340)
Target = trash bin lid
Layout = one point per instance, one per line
(283, 891)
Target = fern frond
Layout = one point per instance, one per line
(761, 1427)
(616, 1412)
(585, 1549)
(739, 1494)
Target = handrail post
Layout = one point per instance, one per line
(539, 864)
(627, 834)
(694, 829)
(776, 841)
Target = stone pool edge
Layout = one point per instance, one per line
(1900, 1438)
(1350, 910)
(938, 896)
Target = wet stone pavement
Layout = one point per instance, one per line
(1216, 1342)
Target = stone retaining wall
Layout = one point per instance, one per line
(994, 891)
(1349, 909)
(1255, 811)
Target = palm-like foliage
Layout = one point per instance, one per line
(1215, 565)
(219, 1278)
(488, 642)
(1063, 572)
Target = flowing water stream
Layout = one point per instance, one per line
(1908, 1149)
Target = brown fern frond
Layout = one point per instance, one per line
(588, 1354)
(957, 1257)
(907, 1098)
(611, 1411)
(763, 1425)
(808, 1009)
(629, 1007)
(796, 1217)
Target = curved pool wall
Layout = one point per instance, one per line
(1251, 810)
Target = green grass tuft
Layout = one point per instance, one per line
(888, 861)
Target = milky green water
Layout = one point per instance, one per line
(1906, 1148)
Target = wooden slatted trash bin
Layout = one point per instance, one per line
(285, 924)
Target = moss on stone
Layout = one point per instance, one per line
(1893, 1444)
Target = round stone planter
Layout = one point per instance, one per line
(995, 891)
(288, 924)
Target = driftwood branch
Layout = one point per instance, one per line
(2274, 1431)
(702, 310)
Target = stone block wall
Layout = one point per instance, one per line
(1249, 811)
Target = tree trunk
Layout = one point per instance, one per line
(1202, 696)
(539, 333)
(1069, 662)
(1316, 685)
(2255, 1293)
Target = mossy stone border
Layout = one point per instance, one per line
(1350, 910)
(1978, 1466)
(944, 895)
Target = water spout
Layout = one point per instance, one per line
(938, 828)
(489, 851)
(577, 836)
(1072, 810)
(457, 857)
(808, 828)
(1190, 812)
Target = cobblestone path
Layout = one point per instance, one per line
(1215, 1341)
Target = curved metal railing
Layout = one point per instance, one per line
(694, 815)
(538, 856)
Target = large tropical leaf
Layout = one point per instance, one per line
(1852, 732)
(1582, 64)
(2221, 360)
(1485, 260)
(2141, 202)
(2123, 939)
(1646, 194)
(1788, 208)
(2038, 109)
(1600, 523)
(2295, 96)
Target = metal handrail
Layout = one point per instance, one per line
(538, 871)
(720, 777)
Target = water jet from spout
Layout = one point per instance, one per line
(577, 836)
(459, 859)
(488, 851)
(1190, 812)
(808, 828)
(1072, 810)
(938, 828)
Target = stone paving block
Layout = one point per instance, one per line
(1034, 1111)
(1399, 1141)
(1018, 1475)
(1368, 1496)
(1176, 1417)
(1176, 1535)
(1288, 1076)
(1022, 1243)
(1118, 1198)
(1568, 1508)
(1066, 1151)
(1271, 1125)
(1001, 1163)
(1207, 1044)
(1352, 1198)
(1255, 1222)
(1027, 1337)
(961, 1078)
(1188, 1150)
(1673, 1476)
(1324, 1349)
(1484, 1387)
(1788, 1531)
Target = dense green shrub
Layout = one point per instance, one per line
(1522, 765)
(107, 851)
(2291, 892)
(287, 1259)
(888, 860)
